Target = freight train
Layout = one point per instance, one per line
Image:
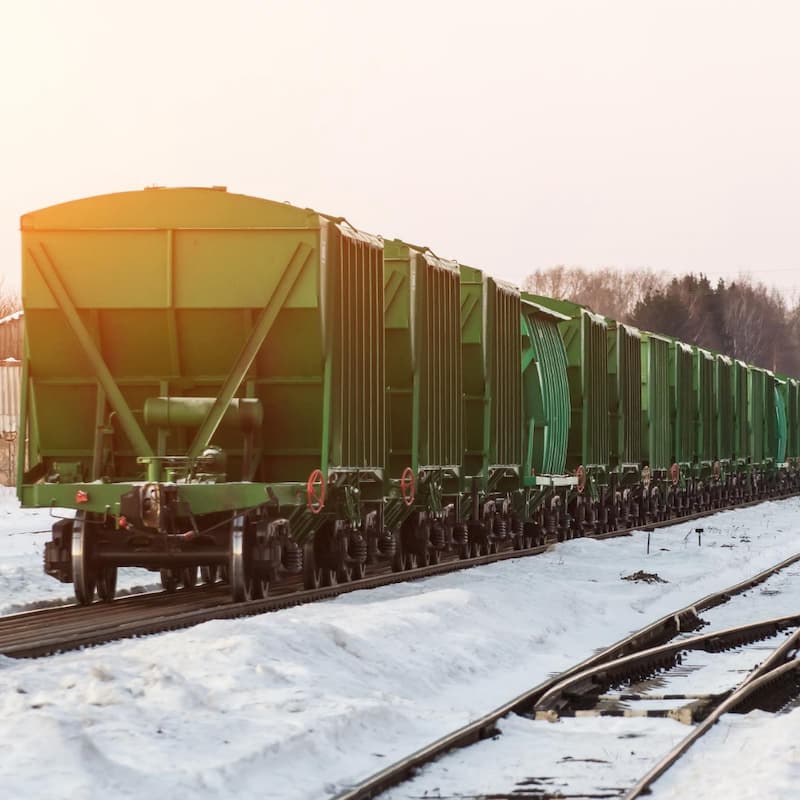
(227, 388)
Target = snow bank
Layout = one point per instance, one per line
(298, 703)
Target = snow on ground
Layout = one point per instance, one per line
(302, 702)
(598, 757)
(585, 757)
(748, 757)
(23, 583)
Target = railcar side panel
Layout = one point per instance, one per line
(423, 368)
(741, 410)
(545, 392)
(625, 395)
(756, 422)
(724, 411)
(781, 420)
(774, 419)
(491, 373)
(683, 403)
(656, 406)
(792, 418)
(149, 262)
(705, 408)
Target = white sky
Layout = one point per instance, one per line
(508, 135)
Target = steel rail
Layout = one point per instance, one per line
(110, 628)
(484, 727)
(776, 667)
(561, 697)
(82, 626)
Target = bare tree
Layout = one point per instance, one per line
(609, 291)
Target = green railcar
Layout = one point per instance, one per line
(222, 382)
(793, 418)
(492, 380)
(725, 409)
(756, 414)
(201, 361)
(657, 444)
(422, 301)
(545, 390)
(741, 411)
(625, 396)
(705, 407)
(683, 411)
(781, 432)
(585, 337)
(774, 418)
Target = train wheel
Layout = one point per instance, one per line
(344, 573)
(170, 578)
(530, 535)
(83, 572)
(312, 574)
(579, 516)
(423, 544)
(398, 557)
(409, 559)
(208, 574)
(189, 577)
(329, 577)
(423, 553)
(344, 566)
(107, 583)
(245, 584)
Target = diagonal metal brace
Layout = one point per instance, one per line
(250, 350)
(126, 419)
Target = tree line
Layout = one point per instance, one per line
(741, 318)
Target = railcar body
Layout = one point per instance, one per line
(657, 448)
(547, 411)
(546, 395)
(422, 300)
(792, 420)
(161, 320)
(222, 383)
(724, 411)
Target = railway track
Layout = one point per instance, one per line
(46, 631)
(711, 663)
(56, 629)
(768, 686)
(583, 690)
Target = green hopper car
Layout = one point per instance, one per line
(232, 388)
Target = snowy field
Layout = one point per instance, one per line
(299, 703)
